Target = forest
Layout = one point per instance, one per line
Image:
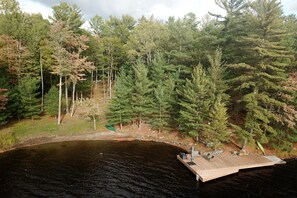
(211, 79)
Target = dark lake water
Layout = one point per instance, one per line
(127, 169)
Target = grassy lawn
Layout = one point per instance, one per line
(46, 126)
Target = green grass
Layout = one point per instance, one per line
(47, 126)
(33, 128)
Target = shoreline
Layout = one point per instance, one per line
(111, 136)
(100, 136)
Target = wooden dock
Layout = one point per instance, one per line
(225, 164)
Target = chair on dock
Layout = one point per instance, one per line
(218, 152)
(208, 156)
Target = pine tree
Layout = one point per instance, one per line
(233, 27)
(217, 73)
(28, 89)
(11, 103)
(163, 103)
(182, 39)
(163, 93)
(261, 77)
(141, 94)
(14, 104)
(216, 130)
(194, 103)
(157, 70)
(70, 14)
(120, 109)
(51, 101)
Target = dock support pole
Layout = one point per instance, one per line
(197, 177)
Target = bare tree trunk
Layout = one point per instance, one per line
(94, 122)
(160, 116)
(60, 100)
(42, 82)
(96, 73)
(104, 90)
(139, 124)
(81, 96)
(244, 144)
(73, 101)
(66, 96)
(92, 77)
(110, 76)
(110, 81)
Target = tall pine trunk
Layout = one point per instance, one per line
(60, 100)
(73, 101)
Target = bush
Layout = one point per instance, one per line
(7, 140)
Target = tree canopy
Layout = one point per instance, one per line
(232, 74)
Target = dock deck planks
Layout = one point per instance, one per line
(223, 165)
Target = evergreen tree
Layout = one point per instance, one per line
(146, 40)
(217, 73)
(157, 70)
(51, 101)
(194, 103)
(160, 70)
(216, 130)
(260, 79)
(163, 103)
(182, 39)
(233, 27)
(10, 103)
(14, 104)
(141, 94)
(70, 14)
(28, 89)
(120, 110)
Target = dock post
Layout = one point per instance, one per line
(197, 177)
(192, 153)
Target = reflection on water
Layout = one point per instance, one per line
(127, 169)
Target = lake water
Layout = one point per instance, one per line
(127, 169)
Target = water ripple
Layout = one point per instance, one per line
(127, 169)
